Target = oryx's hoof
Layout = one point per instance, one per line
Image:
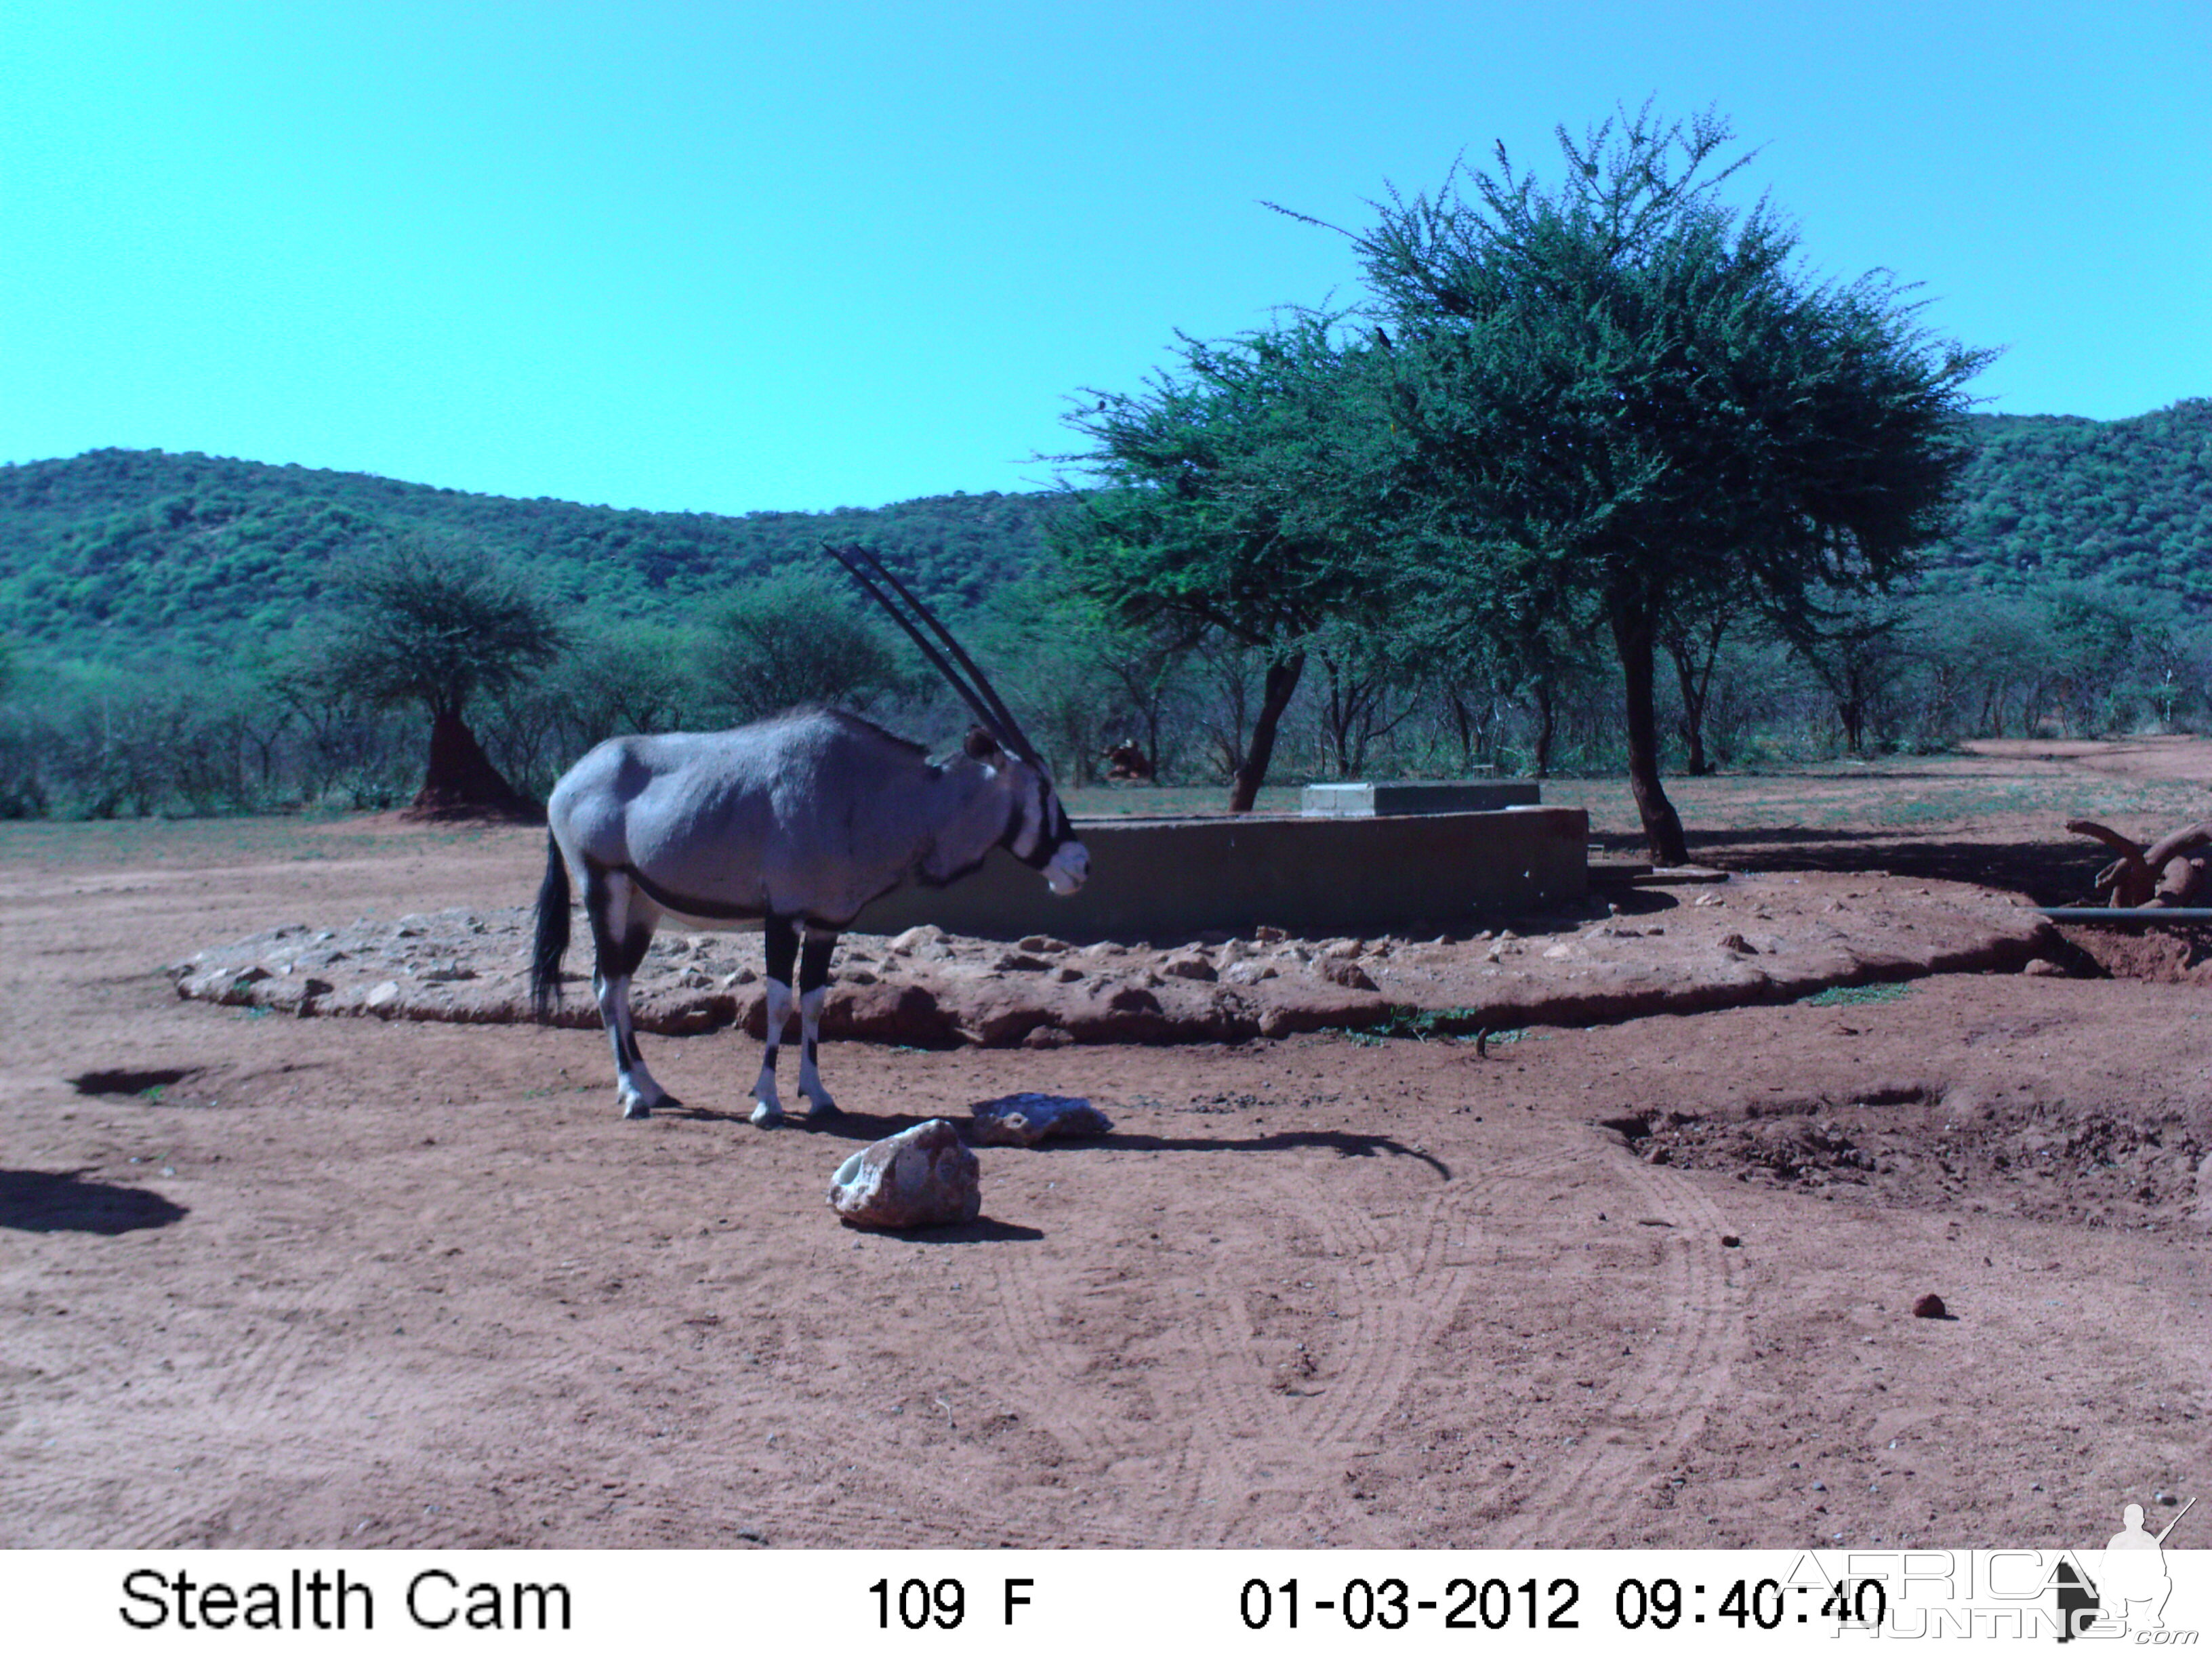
(822, 1110)
(635, 1103)
(767, 1116)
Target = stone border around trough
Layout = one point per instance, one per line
(1756, 939)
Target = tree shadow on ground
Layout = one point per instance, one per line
(2046, 872)
(40, 1202)
(127, 1082)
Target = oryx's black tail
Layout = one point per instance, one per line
(552, 941)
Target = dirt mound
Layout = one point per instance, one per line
(2175, 955)
(2039, 1159)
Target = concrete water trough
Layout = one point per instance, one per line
(1329, 873)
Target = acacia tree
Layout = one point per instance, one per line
(789, 639)
(437, 625)
(1858, 651)
(1620, 394)
(1230, 505)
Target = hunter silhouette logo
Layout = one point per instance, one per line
(2131, 1586)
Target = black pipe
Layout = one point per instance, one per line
(2102, 917)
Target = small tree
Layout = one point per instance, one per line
(437, 625)
(1692, 644)
(1619, 395)
(1859, 651)
(783, 640)
(1232, 504)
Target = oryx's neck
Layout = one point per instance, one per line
(977, 804)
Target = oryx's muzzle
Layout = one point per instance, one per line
(1069, 866)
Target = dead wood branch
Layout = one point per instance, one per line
(2163, 876)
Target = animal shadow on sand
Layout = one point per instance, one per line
(40, 1202)
(868, 1126)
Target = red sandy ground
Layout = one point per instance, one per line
(274, 1281)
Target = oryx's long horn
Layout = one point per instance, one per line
(979, 696)
(983, 711)
(1000, 716)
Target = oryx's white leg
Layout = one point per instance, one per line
(783, 936)
(622, 921)
(813, 991)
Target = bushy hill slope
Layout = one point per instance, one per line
(120, 554)
(2051, 498)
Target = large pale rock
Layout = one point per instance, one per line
(1024, 1119)
(919, 1177)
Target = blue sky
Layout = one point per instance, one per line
(725, 258)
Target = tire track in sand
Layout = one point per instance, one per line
(1393, 1288)
(1191, 1448)
(1678, 1373)
(1101, 1409)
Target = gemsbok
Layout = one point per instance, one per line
(792, 824)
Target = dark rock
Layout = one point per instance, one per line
(1023, 1120)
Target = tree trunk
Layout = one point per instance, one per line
(1463, 720)
(1282, 680)
(1851, 710)
(1632, 634)
(1337, 717)
(463, 783)
(1696, 680)
(1547, 724)
(1693, 710)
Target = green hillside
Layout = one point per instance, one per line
(127, 555)
(2051, 498)
(120, 554)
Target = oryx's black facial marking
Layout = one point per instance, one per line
(1039, 821)
(1038, 824)
(1022, 823)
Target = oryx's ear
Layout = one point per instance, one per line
(982, 745)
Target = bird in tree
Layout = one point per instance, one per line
(1621, 400)
(438, 625)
